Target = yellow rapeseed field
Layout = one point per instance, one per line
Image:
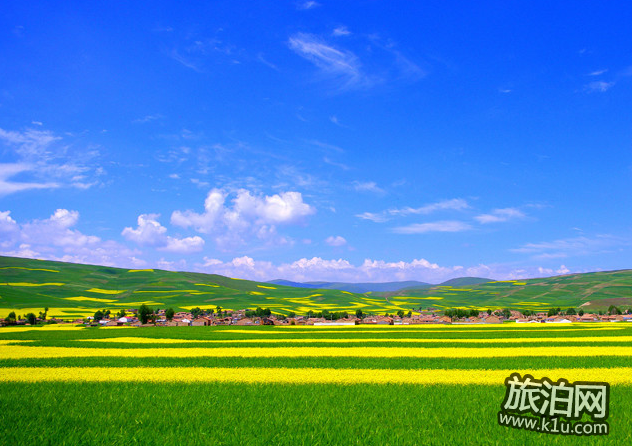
(141, 340)
(22, 352)
(619, 375)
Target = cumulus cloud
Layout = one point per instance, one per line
(55, 238)
(500, 215)
(250, 215)
(436, 226)
(151, 233)
(342, 270)
(335, 241)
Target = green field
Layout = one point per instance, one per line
(296, 385)
(75, 290)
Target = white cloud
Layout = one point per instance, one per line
(500, 215)
(335, 241)
(7, 171)
(54, 238)
(310, 4)
(338, 64)
(575, 246)
(598, 86)
(250, 215)
(455, 204)
(151, 233)
(340, 31)
(368, 186)
(377, 218)
(44, 161)
(437, 226)
(341, 270)
(147, 119)
(597, 72)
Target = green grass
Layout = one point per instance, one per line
(238, 414)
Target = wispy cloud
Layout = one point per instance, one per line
(335, 164)
(326, 146)
(147, 118)
(305, 5)
(263, 60)
(437, 226)
(598, 86)
(184, 60)
(7, 171)
(337, 64)
(340, 31)
(574, 246)
(597, 72)
(455, 204)
(500, 215)
(368, 186)
(43, 160)
(374, 217)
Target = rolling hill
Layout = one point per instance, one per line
(76, 290)
(596, 290)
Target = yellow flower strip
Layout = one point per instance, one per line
(51, 327)
(19, 352)
(141, 340)
(32, 284)
(614, 376)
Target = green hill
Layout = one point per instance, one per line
(596, 290)
(75, 290)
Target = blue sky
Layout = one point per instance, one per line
(351, 141)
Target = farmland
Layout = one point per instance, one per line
(296, 385)
(75, 290)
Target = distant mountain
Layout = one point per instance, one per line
(354, 287)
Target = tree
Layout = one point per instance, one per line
(570, 311)
(121, 314)
(169, 313)
(612, 310)
(98, 315)
(11, 319)
(489, 312)
(42, 314)
(291, 314)
(31, 318)
(359, 313)
(580, 312)
(400, 313)
(196, 312)
(410, 313)
(144, 313)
